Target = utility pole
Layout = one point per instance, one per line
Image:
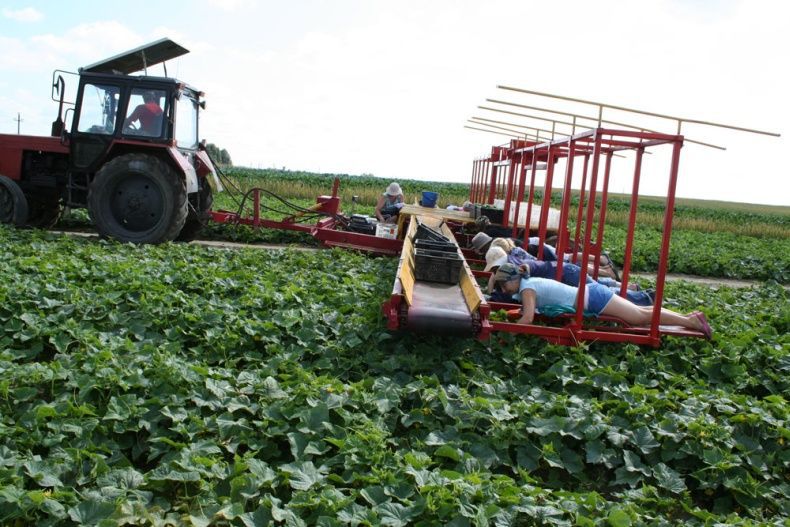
(18, 122)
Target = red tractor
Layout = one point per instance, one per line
(132, 155)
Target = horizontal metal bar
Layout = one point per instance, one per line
(492, 132)
(642, 112)
(472, 121)
(583, 126)
(477, 120)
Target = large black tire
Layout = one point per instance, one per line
(13, 204)
(198, 214)
(138, 198)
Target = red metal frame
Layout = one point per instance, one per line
(595, 144)
(325, 230)
(490, 182)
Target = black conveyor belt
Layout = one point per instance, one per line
(439, 308)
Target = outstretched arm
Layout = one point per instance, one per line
(528, 299)
(379, 206)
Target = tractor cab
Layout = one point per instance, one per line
(135, 161)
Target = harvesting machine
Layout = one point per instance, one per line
(154, 182)
(143, 177)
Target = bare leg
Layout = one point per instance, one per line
(640, 315)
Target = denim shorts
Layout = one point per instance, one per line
(598, 297)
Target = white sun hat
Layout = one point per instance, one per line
(393, 190)
(495, 257)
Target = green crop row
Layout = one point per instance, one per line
(180, 385)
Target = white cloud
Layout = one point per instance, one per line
(28, 14)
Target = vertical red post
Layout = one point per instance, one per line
(566, 203)
(256, 203)
(663, 258)
(602, 213)
(511, 178)
(522, 180)
(587, 231)
(531, 194)
(581, 208)
(629, 238)
(544, 211)
(493, 181)
(473, 185)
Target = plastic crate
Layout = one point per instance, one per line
(436, 266)
(445, 247)
(493, 214)
(362, 226)
(426, 233)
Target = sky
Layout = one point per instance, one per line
(386, 87)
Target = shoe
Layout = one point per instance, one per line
(706, 329)
(610, 264)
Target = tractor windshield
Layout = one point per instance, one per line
(186, 121)
(98, 107)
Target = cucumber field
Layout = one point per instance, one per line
(179, 384)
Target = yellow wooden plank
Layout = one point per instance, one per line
(469, 287)
(452, 215)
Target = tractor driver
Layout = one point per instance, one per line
(148, 114)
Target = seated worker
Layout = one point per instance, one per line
(496, 257)
(536, 294)
(390, 203)
(148, 114)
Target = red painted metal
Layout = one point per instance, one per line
(564, 208)
(590, 224)
(629, 238)
(581, 207)
(13, 146)
(602, 212)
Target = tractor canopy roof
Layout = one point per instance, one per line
(138, 59)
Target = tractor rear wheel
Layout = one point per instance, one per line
(198, 214)
(13, 204)
(138, 198)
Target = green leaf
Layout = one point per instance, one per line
(618, 518)
(260, 518)
(448, 452)
(395, 514)
(42, 473)
(302, 476)
(123, 478)
(633, 463)
(645, 440)
(668, 479)
(90, 512)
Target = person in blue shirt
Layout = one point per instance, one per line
(571, 274)
(537, 293)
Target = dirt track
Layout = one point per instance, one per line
(712, 282)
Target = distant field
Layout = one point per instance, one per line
(694, 214)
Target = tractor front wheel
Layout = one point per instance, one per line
(138, 198)
(13, 204)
